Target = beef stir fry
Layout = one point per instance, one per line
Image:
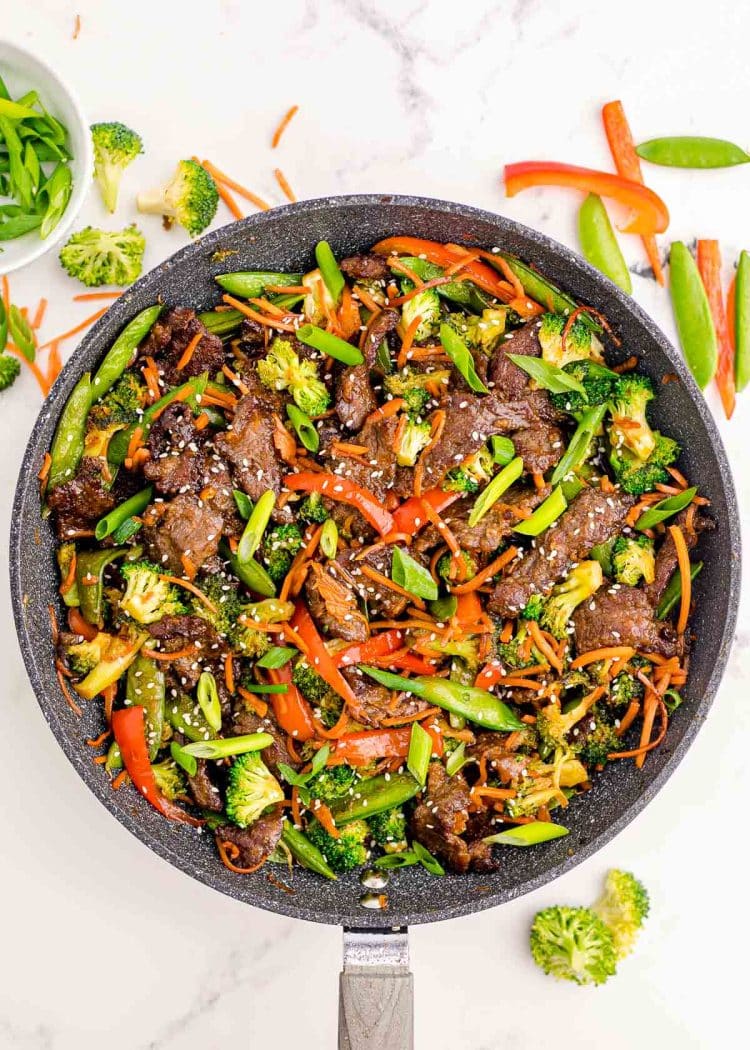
(376, 563)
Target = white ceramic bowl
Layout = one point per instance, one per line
(23, 71)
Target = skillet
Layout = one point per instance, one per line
(375, 1003)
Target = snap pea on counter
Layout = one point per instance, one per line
(378, 561)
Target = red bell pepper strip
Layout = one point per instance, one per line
(321, 659)
(359, 749)
(407, 662)
(410, 516)
(628, 165)
(490, 675)
(292, 711)
(129, 731)
(374, 649)
(441, 255)
(708, 257)
(345, 491)
(649, 213)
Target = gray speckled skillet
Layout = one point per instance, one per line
(283, 239)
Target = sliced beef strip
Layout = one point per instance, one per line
(380, 326)
(205, 793)
(501, 762)
(246, 721)
(355, 398)
(168, 339)
(380, 599)
(365, 267)
(177, 632)
(79, 503)
(481, 858)
(373, 701)
(540, 446)
(497, 524)
(666, 557)
(510, 381)
(333, 603)
(623, 616)
(591, 518)
(256, 843)
(252, 338)
(376, 470)
(184, 526)
(440, 819)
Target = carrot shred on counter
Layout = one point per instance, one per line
(74, 331)
(76, 27)
(286, 189)
(54, 364)
(32, 366)
(189, 351)
(40, 312)
(282, 126)
(683, 561)
(87, 297)
(229, 200)
(236, 186)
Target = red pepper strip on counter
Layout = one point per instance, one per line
(442, 255)
(648, 213)
(128, 728)
(345, 491)
(708, 257)
(292, 711)
(321, 660)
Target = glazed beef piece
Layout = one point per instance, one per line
(440, 819)
(79, 503)
(365, 267)
(355, 398)
(500, 760)
(333, 603)
(510, 381)
(666, 557)
(183, 528)
(373, 701)
(178, 632)
(540, 446)
(256, 843)
(383, 601)
(591, 518)
(176, 462)
(376, 470)
(205, 793)
(380, 326)
(623, 616)
(246, 721)
(168, 340)
(252, 338)
(496, 525)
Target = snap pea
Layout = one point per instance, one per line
(673, 590)
(462, 292)
(67, 445)
(599, 243)
(578, 446)
(544, 515)
(543, 292)
(256, 526)
(22, 333)
(189, 393)
(692, 151)
(185, 716)
(145, 687)
(90, 568)
(665, 509)
(304, 427)
(327, 343)
(459, 354)
(692, 315)
(208, 698)
(221, 322)
(528, 834)
(476, 705)
(420, 753)
(3, 326)
(330, 271)
(329, 538)
(120, 354)
(251, 573)
(742, 322)
(304, 852)
(375, 795)
(117, 517)
(492, 493)
(251, 284)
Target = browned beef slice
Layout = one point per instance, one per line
(177, 632)
(376, 469)
(591, 518)
(497, 524)
(666, 558)
(355, 398)
(168, 339)
(205, 793)
(365, 267)
(252, 336)
(509, 380)
(440, 818)
(470, 420)
(333, 603)
(80, 502)
(380, 326)
(246, 721)
(380, 599)
(480, 852)
(256, 843)
(373, 701)
(505, 764)
(176, 462)
(183, 526)
(623, 616)
(540, 446)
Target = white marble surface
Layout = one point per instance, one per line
(104, 945)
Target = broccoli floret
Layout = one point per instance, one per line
(574, 944)
(312, 686)
(388, 830)
(630, 428)
(190, 197)
(598, 382)
(115, 147)
(446, 567)
(318, 304)
(599, 739)
(416, 388)
(86, 655)
(170, 779)
(123, 404)
(248, 641)
(224, 595)
(251, 789)
(473, 472)
(425, 305)
(312, 510)
(624, 688)
(97, 257)
(465, 649)
(460, 480)
(346, 852)
(147, 596)
(580, 342)
(511, 654)
(636, 476)
(333, 783)
(9, 369)
(412, 438)
(623, 907)
(282, 369)
(554, 726)
(581, 583)
(481, 333)
(533, 608)
(633, 559)
(279, 546)
(543, 785)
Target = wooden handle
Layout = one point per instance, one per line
(376, 992)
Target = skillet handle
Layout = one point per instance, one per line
(376, 991)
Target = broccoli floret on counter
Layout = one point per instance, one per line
(190, 198)
(96, 257)
(623, 907)
(282, 369)
(9, 370)
(115, 147)
(573, 944)
(388, 830)
(633, 560)
(251, 789)
(346, 852)
(148, 597)
(412, 437)
(581, 583)
(580, 341)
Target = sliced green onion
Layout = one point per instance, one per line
(412, 576)
(544, 515)
(529, 834)
(244, 503)
(329, 270)
(233, 745)
(107, 525)
(187, 762)
(459, 354)
(456, 760)
(407, 859)
(208, 698)
(304, 427)
(672, 700)
(329, 538)
(128, 528)
(420, 752)
(547, 376)
(492, 493)
(673, 591)
(256, 526)
(577, 450)
(426, 859)
(503, 449)
(666, 508)
(329, 344)
(277, 656)
(280, 688)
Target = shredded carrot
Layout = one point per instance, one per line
(242, 190)
(258, 706)
(432, 515)
(40, 312)
(486, 574)
(119, 780)
(400, 266)
(134, 444)
(70, 576)
(383, 581)
(54, 364)
(189, 567)
(202, 421)
(192, 588)
(678, 477)
(6, 293)
(80, 626)
(366, 299)
(67, 694)
(254, 315)
(189, 350)
(457, 266)
(177, 654)
(296, 815)
(76, 27)
(642, 750)
(325, 817)
(229, 672)
(44, 472)
(74, 331)
(221, 847)
(611, 652)
(346, 448)
(87, 297)
(626, 366)
(286, 189)
(276, 138)
(287, 289)
(390, 408)
(32, 366)
(302, 556)
(409, 334)
(99, 760)
(337, 731)
(417, 716)
(151, 376)
(399, 300)
(109, 693)
(235, 379)
(628, 718)
(480, 792)
(229, 200)
(544, 647)
(683, 560)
